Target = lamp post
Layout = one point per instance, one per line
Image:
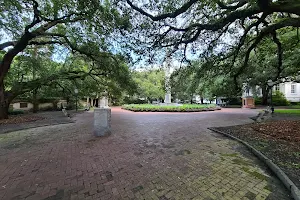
(76, 94)
(271, 84)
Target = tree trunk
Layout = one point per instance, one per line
(4, 103)
(265, 95)
(34, 101)
(202, 100)
(4, 68)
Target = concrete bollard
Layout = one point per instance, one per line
(102, 121)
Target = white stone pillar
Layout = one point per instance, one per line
(167, 78)
(106, 102)
(168, 98)
(102, 102)
(102, 121)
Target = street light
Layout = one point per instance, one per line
(271, 84)
(76, 93)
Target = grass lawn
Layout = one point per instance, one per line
(288, 111)
(170, 108)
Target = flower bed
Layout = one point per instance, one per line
(171, 108)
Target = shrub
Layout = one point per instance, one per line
(279, 99)
(234, 101)
(258, 100)
(170, 108)
(130, 100)
(15, 112)
(49, 108)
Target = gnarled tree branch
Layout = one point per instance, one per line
(174, 14)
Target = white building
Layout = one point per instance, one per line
(27, 106)
(290, 90)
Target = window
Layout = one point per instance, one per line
(293, 88)
(277, 87)
(23, 105)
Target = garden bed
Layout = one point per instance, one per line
(17, 119)
(170, 108)
(278, 140)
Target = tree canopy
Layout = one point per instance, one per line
(83, 28)
(150, 84)
(223, 32)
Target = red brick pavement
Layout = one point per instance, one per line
(160, 156)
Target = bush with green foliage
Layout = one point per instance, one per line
(234, 101)
(132, 100)
(15, 112)
(278, 99)
(170, 108)
(258, 100)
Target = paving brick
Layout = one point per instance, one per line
(170, 156)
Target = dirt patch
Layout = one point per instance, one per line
(278, 140)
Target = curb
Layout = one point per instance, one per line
(294, 191)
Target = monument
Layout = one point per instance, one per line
(102, 118)
(167, 68)
(247, 98)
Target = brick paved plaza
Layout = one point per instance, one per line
(162, 156)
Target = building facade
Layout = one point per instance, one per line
(290, 90)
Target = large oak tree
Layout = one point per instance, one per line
(223, 32)
(81, 26)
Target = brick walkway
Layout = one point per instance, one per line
(162, 156)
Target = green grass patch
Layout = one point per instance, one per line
(245, 169)
(239, 161)
(255, 174)
(288, 111)
(170, 108)
(258, 175)
(229, 154)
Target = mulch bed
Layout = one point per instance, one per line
(20, 119)
(278, 140)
